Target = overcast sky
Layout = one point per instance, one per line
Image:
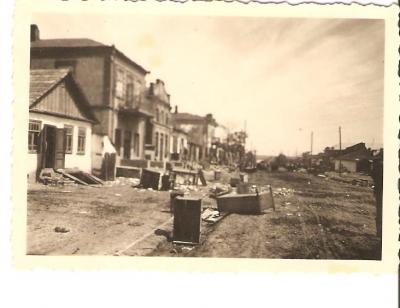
(284, 77)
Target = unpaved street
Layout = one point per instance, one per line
(315, 218)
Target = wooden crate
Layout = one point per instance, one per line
(150, 179)
(245, 203)
(187, 215)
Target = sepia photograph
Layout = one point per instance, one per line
(205, 136)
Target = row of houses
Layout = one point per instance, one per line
(354, 158)
(90, 108)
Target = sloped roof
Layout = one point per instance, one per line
(43, 80)
(66, 43)
(187, 116)
(81, 43)
(356, 155)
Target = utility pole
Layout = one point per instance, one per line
(311, 149)
(312, 140)
(340, 150)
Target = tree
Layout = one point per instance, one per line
(281, 160)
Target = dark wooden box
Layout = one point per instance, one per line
(245, 203)
(187, 215)
(150, 179)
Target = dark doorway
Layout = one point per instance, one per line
(127, 144)
(52, 147)
(49, 146)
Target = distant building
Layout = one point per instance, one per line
(200, 130)
(112, 82)
(219, 145)
(60, 123)
(159, 127)
(179, 151)
(356, 158)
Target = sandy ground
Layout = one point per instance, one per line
(315, 218)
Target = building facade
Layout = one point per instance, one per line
(356, 158)
(159, 127)
(179, 150)
(200, 131)
(60, 123)
(112, 82)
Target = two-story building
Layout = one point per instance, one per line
(200, 131)
(159, 127)
(113, 83)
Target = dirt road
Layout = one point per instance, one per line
(91, 220)
(314, 218)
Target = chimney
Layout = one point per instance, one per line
(176, 109)
(35, 33)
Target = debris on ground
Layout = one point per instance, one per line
(61, 230)
(167, 234)
(219, 190)
(135, 224)
(134, 182)
(308, 213)
(283, 191)
(211, 215)
(187, 248)
(50, 177)
(180, 176)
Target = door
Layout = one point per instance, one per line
(52, 147)
(47, 146)
(127, 144)
(59, 151)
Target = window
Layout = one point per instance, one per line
(33, 135)
(117, 141)
(156, 146)
(129, 90)
(127, 144)
(161, 117)
(136, 144)
(119, 84)
(157, 115)
(166, 119)
(137, 86)
(81, 140)
(175, 144)
(69, 133)
(161, 146)
(166, 146)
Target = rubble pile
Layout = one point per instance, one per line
(283, 192)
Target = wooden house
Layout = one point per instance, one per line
(60, 123)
